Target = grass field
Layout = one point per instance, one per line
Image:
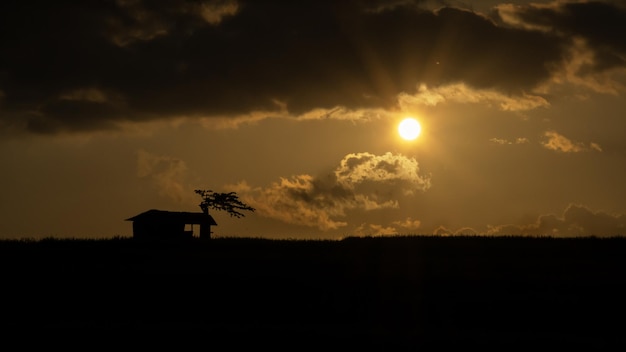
(383, 293)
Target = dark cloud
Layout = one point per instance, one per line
(362, 181)
(601, 24)
(576, 221)
(201, 58)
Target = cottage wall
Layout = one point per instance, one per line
(158, 230)
(159, 224)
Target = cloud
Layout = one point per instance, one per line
(598, 23)
(357, 168)
(253, 117)
(576, 221)
(167, 174)
(131, 21)
(463, 231)
(555, 142)
(215, 12)
(560, 143)
(501, 141)
(462, 93)
(577, 71)
(362, 182)
(408, 224)
(442, 231)
(93, 95)
(303, 201)
(466, 231)
(591, 32)
(595, 146)
(219, 59)
(364, 230)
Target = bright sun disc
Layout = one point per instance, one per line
(409, 129)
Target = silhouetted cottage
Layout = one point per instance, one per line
(161, 224)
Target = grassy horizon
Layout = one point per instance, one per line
(292, 239)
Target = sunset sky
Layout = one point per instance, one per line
(112, 108)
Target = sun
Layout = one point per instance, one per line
(409, 129)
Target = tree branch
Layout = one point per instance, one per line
(228, 202)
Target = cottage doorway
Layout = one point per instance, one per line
(191, 231)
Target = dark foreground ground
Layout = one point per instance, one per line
(399, 293)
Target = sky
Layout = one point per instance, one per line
(111, 108)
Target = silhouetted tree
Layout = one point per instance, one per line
(228, 202)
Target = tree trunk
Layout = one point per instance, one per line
(205, 226)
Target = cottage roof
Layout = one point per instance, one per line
(154, 215)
